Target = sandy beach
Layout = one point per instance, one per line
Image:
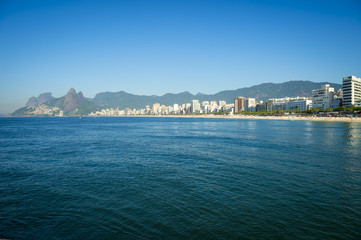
(290, 118)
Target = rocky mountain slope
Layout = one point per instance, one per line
(71, 104)
(44, 97)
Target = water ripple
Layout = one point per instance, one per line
(160, 178)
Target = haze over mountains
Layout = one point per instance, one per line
(76, 104)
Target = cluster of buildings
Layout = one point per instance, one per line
(324, 98)
(44, 110)
(348, 96)
(193, 107)
(288, 103)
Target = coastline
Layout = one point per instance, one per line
(289, 118)
(248, 117)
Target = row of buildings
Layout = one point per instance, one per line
(288, 103)
(324, 98)
(157, 109)
(348, 96)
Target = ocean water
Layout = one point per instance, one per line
(179, 178)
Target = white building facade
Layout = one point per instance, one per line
(196, 106)
(322, 98)
(351, 87)
(249, 103)
(302, 105)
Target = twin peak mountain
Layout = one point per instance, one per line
(45, 104)
(67, 103)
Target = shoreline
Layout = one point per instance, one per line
(248, 117)
(289, 118)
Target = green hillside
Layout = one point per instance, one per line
(260, 92)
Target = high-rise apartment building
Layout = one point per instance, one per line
(322, 98)
(155, 108)
(239, 104)
(175, 108)
(188, 108)
(351, 87)
(196, 106)
(249, 103)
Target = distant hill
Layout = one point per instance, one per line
(44, 97)
(126, 100)
(260, 92)
(266, 91)
(71, 104)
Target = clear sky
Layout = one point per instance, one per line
(155, 47)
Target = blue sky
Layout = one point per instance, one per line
(155, 47)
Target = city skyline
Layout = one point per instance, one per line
(325, 99)
(157, 47)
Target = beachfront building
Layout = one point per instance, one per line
(239, 104)
(222, 103)
(228, 108)
(156, 108)
(263, 106)
(336, 102)
(337, 99)
(277, 103)
(249, 104)
(213, 105)
(175, 107)
(205, 106)
(300, 104)
(163, 110)
(187, 108)
(288, 103)
(205, 103)
(351, 87)
(147, 109)
(196, 106)
(322, 98)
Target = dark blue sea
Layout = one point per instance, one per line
(179, 178)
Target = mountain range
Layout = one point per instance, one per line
(260, 92)
(76, 104)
